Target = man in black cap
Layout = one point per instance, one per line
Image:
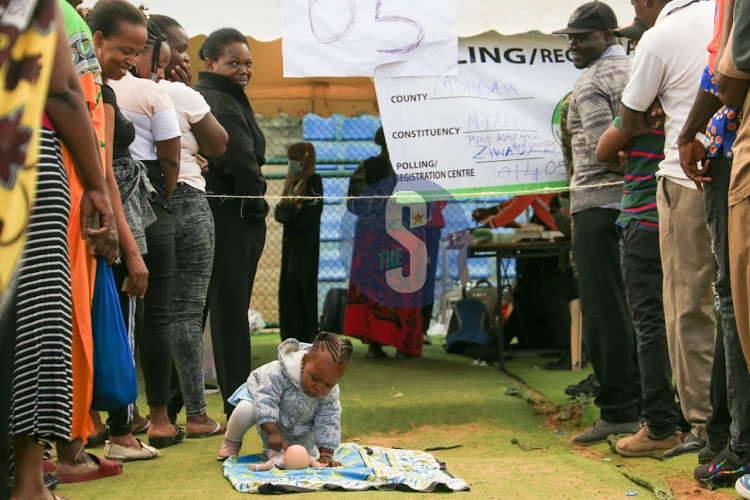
(596, 190)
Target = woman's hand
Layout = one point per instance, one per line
(182, 73)
(101, 240)
(202, 162)
(137, 274)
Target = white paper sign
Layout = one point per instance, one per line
(353, 37)
(494, 127)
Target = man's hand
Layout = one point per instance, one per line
(101, 241)
(277, 442)
(692, 152)
(182, 73)
(655, 114)
(481, 214)
(138, 275)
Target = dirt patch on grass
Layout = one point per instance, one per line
(448, 435)
(587, 452)
(683, 487)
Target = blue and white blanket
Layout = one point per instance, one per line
(363, 468)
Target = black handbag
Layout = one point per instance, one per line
(284, 212)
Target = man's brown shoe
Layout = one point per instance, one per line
(640, 445)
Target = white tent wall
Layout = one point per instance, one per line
(261, 19)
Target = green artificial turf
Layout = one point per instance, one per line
(507, 449)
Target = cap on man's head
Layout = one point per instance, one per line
(634, 31)
(592, 16)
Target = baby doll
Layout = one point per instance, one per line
(294, 400)
(293, 458)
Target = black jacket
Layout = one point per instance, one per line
(238, 172)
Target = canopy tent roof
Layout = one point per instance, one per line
(261, 19)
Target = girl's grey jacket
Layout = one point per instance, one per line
(276, 389)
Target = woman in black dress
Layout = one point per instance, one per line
(298, 284)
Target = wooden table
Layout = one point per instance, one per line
(533, 249)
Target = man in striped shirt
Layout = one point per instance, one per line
(640, 259)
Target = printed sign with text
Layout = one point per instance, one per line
(492, 127)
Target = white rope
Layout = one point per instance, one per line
(478, 194)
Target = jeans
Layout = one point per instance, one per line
(194, 255)
(154, 340)
(239, 245)
(606, 318)
(715, 194)
(640, 259)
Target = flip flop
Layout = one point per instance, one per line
(107, 468)
(159, 442)
(98, 439)
(50, 481)
(218, 431)
(144, 429)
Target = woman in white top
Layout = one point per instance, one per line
(194, 230)
(157, 146)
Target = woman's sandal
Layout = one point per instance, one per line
(218, 431)
(107, 468)
(159, 442)
(98, 439)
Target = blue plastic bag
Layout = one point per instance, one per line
(115, 384)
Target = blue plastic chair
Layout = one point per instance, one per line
(316, 127)
(327, 151)
(326, 166)
(470, 313)
(333, 190)
(360, 150)
(331, 270)
(357, 129)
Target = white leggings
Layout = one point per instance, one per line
(242, 419)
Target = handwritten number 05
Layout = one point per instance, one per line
(338, 36)
(407, 48)
(378, 19)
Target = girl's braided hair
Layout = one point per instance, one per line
(161, 24)
(338, 347)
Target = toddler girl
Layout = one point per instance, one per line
(294, 400)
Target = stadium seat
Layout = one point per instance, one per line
(360, 150)
(326, 166)
(331, 269)
(334, 189)
(317, 128)
(327, 151)
(357, 129)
